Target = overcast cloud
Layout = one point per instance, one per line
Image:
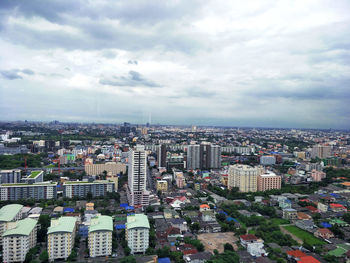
(235, 63)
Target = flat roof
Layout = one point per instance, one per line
(8, 212)
(35, 184)
(34, 174)
(137, 220)
(85, 182)
(101, 223)
(23, 227)
(62, 224)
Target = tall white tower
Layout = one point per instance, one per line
(137, 177)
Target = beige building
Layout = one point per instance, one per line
(9, 213)
(110, 167)
(90, 206)
(268, 181)
(162, 185)
(244, 177)
(114, 179)
(19, 237)
(100, 236)
(60, 237)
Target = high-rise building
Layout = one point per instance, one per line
(162, 152)
(10, 176)
(244, 177)
(9, 213)
(37, 191)
(82, 188)
(137, 177)
(100, 236)
(110, 167)
(321, 151)
(137, 233)
(60, 237)
(268, 181)
(19, 237)
(204, 156)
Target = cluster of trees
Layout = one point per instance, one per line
(228, 256)
(271, 233)
(17, 160)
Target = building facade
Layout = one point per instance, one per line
(110, 167)
(268, 181)
(9, 213)
(204, 156)
(244, 177)
(100, 236)
(162, 185)
(162, 154)
(19, 237)
(82, 188)
(137, 233)
(36, 191)
(10, 176)
(60, 237)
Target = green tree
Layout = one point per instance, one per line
(228, 247)
(128, 259)
(44, 256)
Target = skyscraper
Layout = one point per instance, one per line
(193, 156)
(204, 156)
(162, 155)
(137, 177)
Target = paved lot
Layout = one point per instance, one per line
(213, 241)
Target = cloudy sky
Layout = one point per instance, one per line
(236, 63)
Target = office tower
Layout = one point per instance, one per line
(162, 153)
(137, 233)
(193, 156)
(9, 213)
(244, 177)
(110, 167)
(268, 181)
(137, 176)
(60, 237)
(10, 176)
(100, 236)
(19, 237)
(37, 191)
(82, 188)
(321, 151)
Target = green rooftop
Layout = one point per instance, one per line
(62, 224)
(8, 212)
(34, 174)
(35, 184)
(23, 227)
(101, 223)
(136, 221)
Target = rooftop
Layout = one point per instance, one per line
(101, 223)
(35, 184)
(136, 221)
(8, 212)
(86, 182)
(23, 227)
(34, 174)
(62, 224)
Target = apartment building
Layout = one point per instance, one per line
(36, 191)
(110, 167)
(19, 237)
(268, 181)
(9, 213)
(244, 177)
(34, 177)
(82, 188)
(162, 185)
(100, 236)
(60, 237)
(10, 176)
(137, 233)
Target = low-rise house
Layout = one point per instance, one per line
(290, 214)
(337, 208)
(248, 239)
(179, 223)
(204, 207)
(208, 216)
(307, 225)
(324, 233)
(201, 257)
(323, 208)
(303, 216)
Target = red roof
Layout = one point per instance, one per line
(308, 259)
(324, 231)
(311, 208)
(296, 253)
(337, 205)
(248, 237)
(204, 206)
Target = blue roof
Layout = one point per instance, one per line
(68, 209)
(326, 225)
(124, 205)
(129, 208)
(122, 226)
(222, 212)
(229, 219)
(164, 260)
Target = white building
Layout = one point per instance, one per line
(100, 236)
(19, 237)
(137, 176)
(9, 213)
(137, 233)
(60, 237)
(244, 177)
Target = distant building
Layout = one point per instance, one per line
(82, 188)
(203, 156)
(317, 176)
(10, 176)
(37, 191)
(244, 177)
(137, 233)
(162, 154)
(321, 151)
(268, 181)
(110, 167)
(290, 214)
(267, 160)
(193, 156)
(162, 185)
(9, 213)
(100, 236)
(61, 237)
(180, 180)
(34, 177)
(19, 237)
(137, 176)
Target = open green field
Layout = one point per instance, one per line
(303, 235)
(279, 221)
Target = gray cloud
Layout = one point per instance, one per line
(133, 62)
(15, 73)
(133, 79)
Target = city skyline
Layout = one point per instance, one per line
(257, 64)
